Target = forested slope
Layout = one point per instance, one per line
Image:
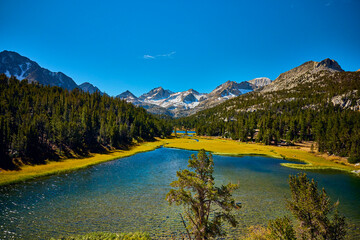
(41, 122)
(325, 109)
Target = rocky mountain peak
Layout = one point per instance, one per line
(260, 82)
(88, 87)
(227, 89)
(129, 97)
(191, 90)
(303, 73)
(226, 84)
(13, 64)
(156, 94)
(246, 85)
(329, 64)
(126, 95)
(157, 89)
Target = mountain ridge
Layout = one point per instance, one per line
(157, 100)
(13, 64)
(163, 101)
(21, 67)
(191, 101)
(301, 74)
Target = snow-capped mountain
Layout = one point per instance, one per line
(185, 100)
(128, 96)
(156, 94)
(230, 89)
(13, 64)
(190, 101)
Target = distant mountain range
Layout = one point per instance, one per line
(188, 102)
(157, 101)
(163, 101)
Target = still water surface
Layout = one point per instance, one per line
(129, 195)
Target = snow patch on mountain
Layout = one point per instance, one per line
(186, 100)
(180, 102)
(13, 64)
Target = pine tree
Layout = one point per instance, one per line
(311, 208)
(197, 193)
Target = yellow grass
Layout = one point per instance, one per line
(231, 147)
(214, 145)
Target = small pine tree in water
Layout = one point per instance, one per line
(205, 206)
(311, 208)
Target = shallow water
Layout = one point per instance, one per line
(129, 195)
(184, 131)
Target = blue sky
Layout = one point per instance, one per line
(139, 45)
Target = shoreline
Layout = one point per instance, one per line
(217, 146)
(309, 160)
(28, 172)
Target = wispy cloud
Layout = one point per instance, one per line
(166, 55)
(148, 57)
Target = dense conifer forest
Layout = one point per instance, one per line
(41, 122)
(303, 113)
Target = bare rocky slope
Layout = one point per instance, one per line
(301, 74)
(260, 82)
(317, 74)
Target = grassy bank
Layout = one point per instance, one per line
(214, 145)
(231, 147)
(30, 172)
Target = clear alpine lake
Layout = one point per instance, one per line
(128, 194)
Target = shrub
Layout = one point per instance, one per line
(281, 228)
(354, 159)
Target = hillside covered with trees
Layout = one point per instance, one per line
(325, 110)
(41, 122)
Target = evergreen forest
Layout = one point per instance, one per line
(41, 122)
